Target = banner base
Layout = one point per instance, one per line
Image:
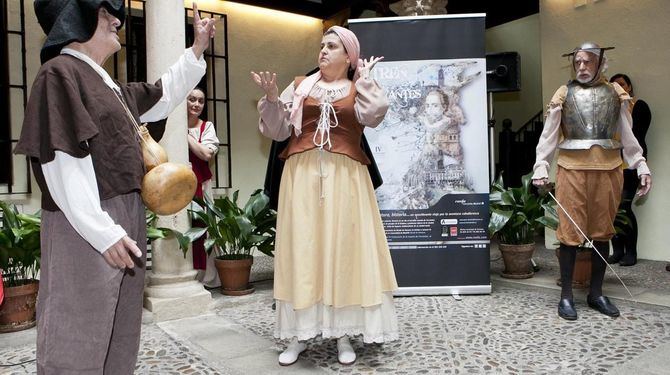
(442, 290)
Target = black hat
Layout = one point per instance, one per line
(66, 21)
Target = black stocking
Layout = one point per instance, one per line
(566, 260)
(598, 267)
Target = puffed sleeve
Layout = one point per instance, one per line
(551, 132)
(274, 119)
(371, 102)
(209, 138)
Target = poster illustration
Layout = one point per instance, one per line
(433, 141)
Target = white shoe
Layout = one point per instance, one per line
(293, 350)
(345, 352)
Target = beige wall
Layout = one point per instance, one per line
(640, 32)
(260, 39)
(522, 36)
(34, 40)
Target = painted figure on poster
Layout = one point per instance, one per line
(438, 168)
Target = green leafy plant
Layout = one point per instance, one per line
(516, 214)
(234, 231)
(154, 233)
(19, 245)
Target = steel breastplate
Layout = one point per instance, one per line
(589, 117)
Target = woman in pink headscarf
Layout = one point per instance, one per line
(333, 270)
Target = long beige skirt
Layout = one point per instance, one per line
(333, 269)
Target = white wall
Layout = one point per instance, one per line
(640, 32)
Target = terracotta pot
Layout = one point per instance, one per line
(517, 260)
(17, 312)
(234, 275)
(581, 276)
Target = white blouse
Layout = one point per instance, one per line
(208, 139)
(370, 107)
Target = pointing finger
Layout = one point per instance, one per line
(196, 15)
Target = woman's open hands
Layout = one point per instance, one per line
(368, 64)
(268, 82)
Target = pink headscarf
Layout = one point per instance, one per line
(353, 48)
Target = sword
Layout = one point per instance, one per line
(591, 243)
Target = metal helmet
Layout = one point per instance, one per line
(588, 47)
(595, 49)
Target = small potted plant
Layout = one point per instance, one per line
(516, 215)
(233, 232)
(20, 264)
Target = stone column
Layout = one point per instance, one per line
(172, 291)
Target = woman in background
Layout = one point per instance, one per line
(202, 146)
(624, 245)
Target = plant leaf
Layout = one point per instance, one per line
(498, 220)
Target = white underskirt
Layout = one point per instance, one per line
(376, 324)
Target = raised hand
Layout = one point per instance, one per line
(268, 82)
(203, 31)
(365, 70)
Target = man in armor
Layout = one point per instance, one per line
(589, 121)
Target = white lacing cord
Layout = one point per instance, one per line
(323, 127)
(324, 124)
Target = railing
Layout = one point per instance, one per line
(516, 149)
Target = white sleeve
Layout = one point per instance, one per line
(177, 82)
(632, 151)
(209, 138)
(73, 187)
(546, 146)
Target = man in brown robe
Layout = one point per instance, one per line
(86, 158)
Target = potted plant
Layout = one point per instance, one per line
(233, 232)
(20, 264)
(516, 215)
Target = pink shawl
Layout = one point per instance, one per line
(353, 48)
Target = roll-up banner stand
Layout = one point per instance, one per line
(432, 149)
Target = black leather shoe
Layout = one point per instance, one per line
(630, 259)
(566, 309)
(615, 258)
(603, 305)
